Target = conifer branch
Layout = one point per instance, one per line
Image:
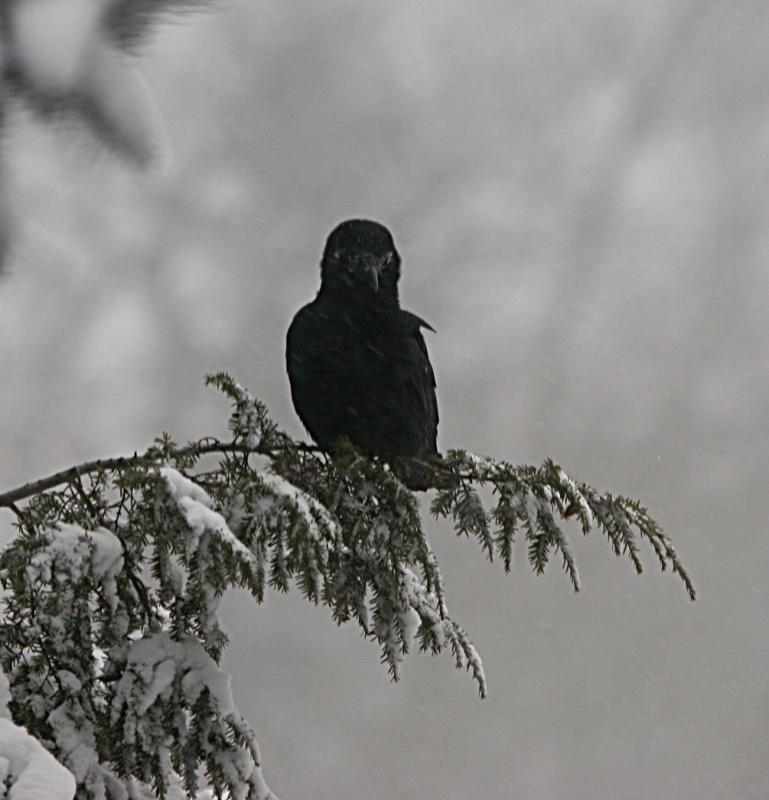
(150, 458)
(112, 587)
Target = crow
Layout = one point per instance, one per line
(358, 363)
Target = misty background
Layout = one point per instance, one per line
(579, 192)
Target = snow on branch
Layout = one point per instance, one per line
(172, 699)
(28, 770)
(112, 636)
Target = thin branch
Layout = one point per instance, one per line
(78, 483)
(151, 457)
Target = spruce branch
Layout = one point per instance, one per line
(149, 458)
(112, 587)
(538, 501)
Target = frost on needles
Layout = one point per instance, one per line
(112, 639)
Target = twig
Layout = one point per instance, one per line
(150, 458)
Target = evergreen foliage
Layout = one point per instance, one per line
(111, 637)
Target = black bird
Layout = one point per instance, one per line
(357, 362)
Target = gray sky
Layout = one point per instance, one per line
(578, 191)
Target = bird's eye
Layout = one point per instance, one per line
(389, 258)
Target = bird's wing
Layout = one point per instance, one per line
(369, 381)
(420, 381)
(417, 321)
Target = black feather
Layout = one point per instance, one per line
(357, 363)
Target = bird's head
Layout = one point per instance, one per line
(361, 254)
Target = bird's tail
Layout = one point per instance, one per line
(421, 474)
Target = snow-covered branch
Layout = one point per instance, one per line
(27, 770)
(112, 636)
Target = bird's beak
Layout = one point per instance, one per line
(367, 268)
(371, 274)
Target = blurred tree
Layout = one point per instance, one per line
(73, 60)
(112, 639)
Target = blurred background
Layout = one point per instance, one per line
(580, 195)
